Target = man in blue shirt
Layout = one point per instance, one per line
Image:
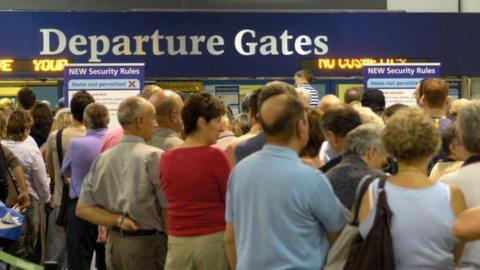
(281, 214)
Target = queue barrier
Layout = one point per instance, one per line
(13, 261)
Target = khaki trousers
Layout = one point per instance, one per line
(205, 252)
(135, 252)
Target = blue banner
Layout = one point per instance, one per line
(109, 84)
(222, 44)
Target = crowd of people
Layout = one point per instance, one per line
(182, 184)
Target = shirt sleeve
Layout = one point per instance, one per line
(12, 160)
(86, 192)
(222, 171)
(229, 213)
(326, 207)
(40, 180)
(153, 171)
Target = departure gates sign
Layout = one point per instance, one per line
(237, 44)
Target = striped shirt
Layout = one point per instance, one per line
(313, 92)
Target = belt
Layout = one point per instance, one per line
(137, 232)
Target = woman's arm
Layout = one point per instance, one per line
(458, 205)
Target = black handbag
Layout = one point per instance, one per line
(376, 250)
(66, 201)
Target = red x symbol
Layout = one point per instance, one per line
(131, 84)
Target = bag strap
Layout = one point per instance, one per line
(362, 188)
(58, 140)
(382, 203)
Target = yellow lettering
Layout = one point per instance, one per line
(49, 65)
(6, 65)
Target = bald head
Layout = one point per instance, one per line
(279, 116)
(328, 101)
(168, 106)
(275, 88)
(353, 94)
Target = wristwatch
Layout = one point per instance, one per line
(120, 221)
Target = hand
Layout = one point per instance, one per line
(129, 224)
(102, 235)
(23, 200)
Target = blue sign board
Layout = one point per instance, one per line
(109, 84)
(233, 44)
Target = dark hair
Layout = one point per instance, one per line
(340, 119)
(283, 125)
(449, 136)
(200, 105)
(392, 109)
(274, 88)
(315, 135)
(79, 101)
(42, 117)
(307, 74)
(26, 98)
(240, 124)
(96, 116)
(353, 94)
(18, 122)
(374, 99)
(253, 103)
(435, 92)
(244, 105)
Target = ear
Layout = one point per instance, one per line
(372, 153)
(139, 121)
(329, 136)
(302, 129)
(422, 100)
(201, 122)
(173, 116)
(451, 147)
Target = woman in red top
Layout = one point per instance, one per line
(194, 180)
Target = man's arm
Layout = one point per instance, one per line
(229, 240)
(23, 198)
(100, 216)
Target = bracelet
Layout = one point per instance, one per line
(120, 220)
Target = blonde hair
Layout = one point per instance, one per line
(410, 134)
(63, 118)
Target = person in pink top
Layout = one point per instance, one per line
(194, 178)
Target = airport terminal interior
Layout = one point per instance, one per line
(250, 135)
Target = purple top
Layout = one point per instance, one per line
(81, 153)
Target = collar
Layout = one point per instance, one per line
(131, 139)
(353, 158)
(280, 151)
(225, 134)
(471, 160)
(96, 132)
(166, 132)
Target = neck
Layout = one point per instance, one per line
(418, 166)
(76, 124)
(163, 123)
(255, 128)
(195, 139)
(132, 131)
(435, 112)
(291, 144)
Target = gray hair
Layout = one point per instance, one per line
(362, 138)
(468, 124)
(95, 116)
(130, 109)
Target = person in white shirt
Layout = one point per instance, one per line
(18, 128)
